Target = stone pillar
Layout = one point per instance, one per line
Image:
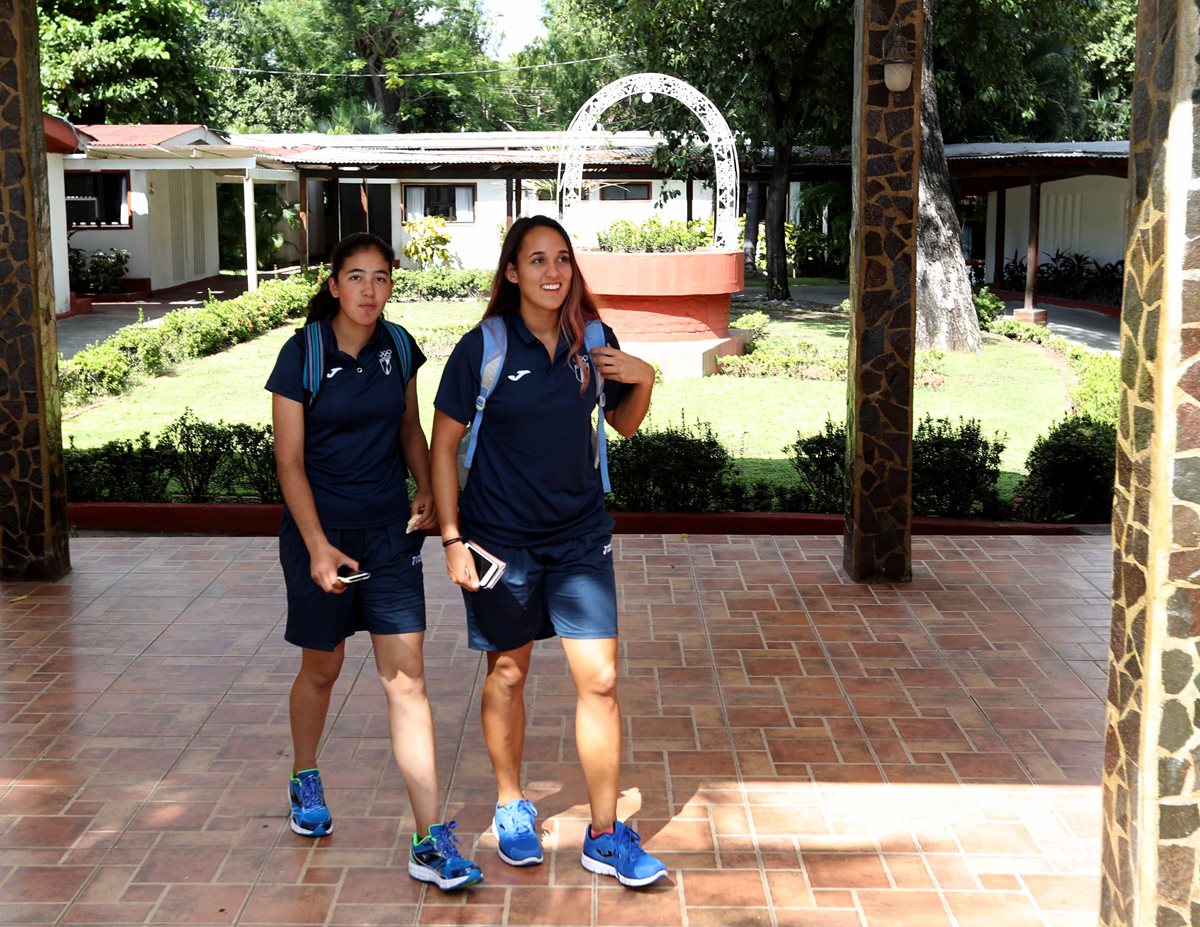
(1152, 759)
(883, 297)
(33, 499)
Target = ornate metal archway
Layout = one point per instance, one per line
(720, 139)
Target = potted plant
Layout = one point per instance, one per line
(660, 286)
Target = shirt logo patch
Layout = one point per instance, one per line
(578, 370)
(416, 560)
(516, 376)
(607, 549)
(332, 371)
(385, 361)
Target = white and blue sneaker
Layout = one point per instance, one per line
(517, 833)
(310, 817)
(436, 859)
(620, 854)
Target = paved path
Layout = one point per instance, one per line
(78, 331)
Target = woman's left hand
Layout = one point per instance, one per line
(423, 516)
(615, 364)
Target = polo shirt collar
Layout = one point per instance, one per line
(330, 338)
(523, 332)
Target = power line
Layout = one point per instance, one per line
(523, 67)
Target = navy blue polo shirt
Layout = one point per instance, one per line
(352, 451)
(533, 479)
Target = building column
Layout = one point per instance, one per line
(883, 298)
(33, 499)
(1151, 844)
(251, 235)
(1029, 312)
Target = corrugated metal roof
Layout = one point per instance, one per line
(999, 150)
(379, 156)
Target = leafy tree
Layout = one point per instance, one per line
(123, 60)
(269, 35)
(549, 97)
(778, 85)
(387, 41)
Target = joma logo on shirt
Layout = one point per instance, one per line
(332, 371)
(516, 376)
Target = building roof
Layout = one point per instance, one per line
(137, 136)
(61, 136)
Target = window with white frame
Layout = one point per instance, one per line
(453, 202)
(97, 199)
(624, 191)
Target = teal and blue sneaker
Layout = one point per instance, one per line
(436, 859)
(310, 817)
(517, 832)
(620, 854)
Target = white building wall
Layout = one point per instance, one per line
(477, 244)
(183, 227)
(1083, 214)
(135, 240)
(59, 243)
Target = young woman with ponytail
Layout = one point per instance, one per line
(346, 438)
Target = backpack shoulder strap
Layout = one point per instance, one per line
(593, 337)
(495, 346)
(314, 360)
(403, 342)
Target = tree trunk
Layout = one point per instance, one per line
(753, 217)
(777, 264)
(945, 311)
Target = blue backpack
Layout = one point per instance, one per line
(314, 356)
(495, 346)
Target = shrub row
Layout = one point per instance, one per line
(678, 469)
(191, 461)
(1096, 387)
(441, 283)
(767, 356)
(141, 350)
(134, 352)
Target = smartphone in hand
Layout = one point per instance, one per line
(347, 576)
(488, 568)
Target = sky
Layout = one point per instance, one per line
(519, 20)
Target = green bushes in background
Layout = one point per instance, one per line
(134, 352)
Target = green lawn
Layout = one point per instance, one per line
(1011, 387)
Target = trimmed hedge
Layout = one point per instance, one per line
(1072, 470)
(147, 349)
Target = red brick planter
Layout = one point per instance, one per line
(666, 296)
(241, 520)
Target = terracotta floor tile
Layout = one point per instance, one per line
(905, 909)
(801, 750)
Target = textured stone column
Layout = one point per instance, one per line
(1151, 790)
(33, 501)
(883, 279)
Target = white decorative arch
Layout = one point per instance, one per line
(580, 135)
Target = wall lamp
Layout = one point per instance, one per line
(898, 59)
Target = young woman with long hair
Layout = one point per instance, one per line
(535, 500)
(346, 438)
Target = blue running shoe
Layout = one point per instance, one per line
(519, 843)
(436, 859)
(620, 854)
(310, 817)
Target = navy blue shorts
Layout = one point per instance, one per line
(392, 601)
(568, 589)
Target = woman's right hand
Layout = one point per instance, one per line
(460, 566)
(323, 567)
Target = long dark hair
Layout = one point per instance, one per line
(324, 304)
(578, 307)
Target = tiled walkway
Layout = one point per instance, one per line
(802, 751)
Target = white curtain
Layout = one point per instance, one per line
(414, 203)
(464, 204)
